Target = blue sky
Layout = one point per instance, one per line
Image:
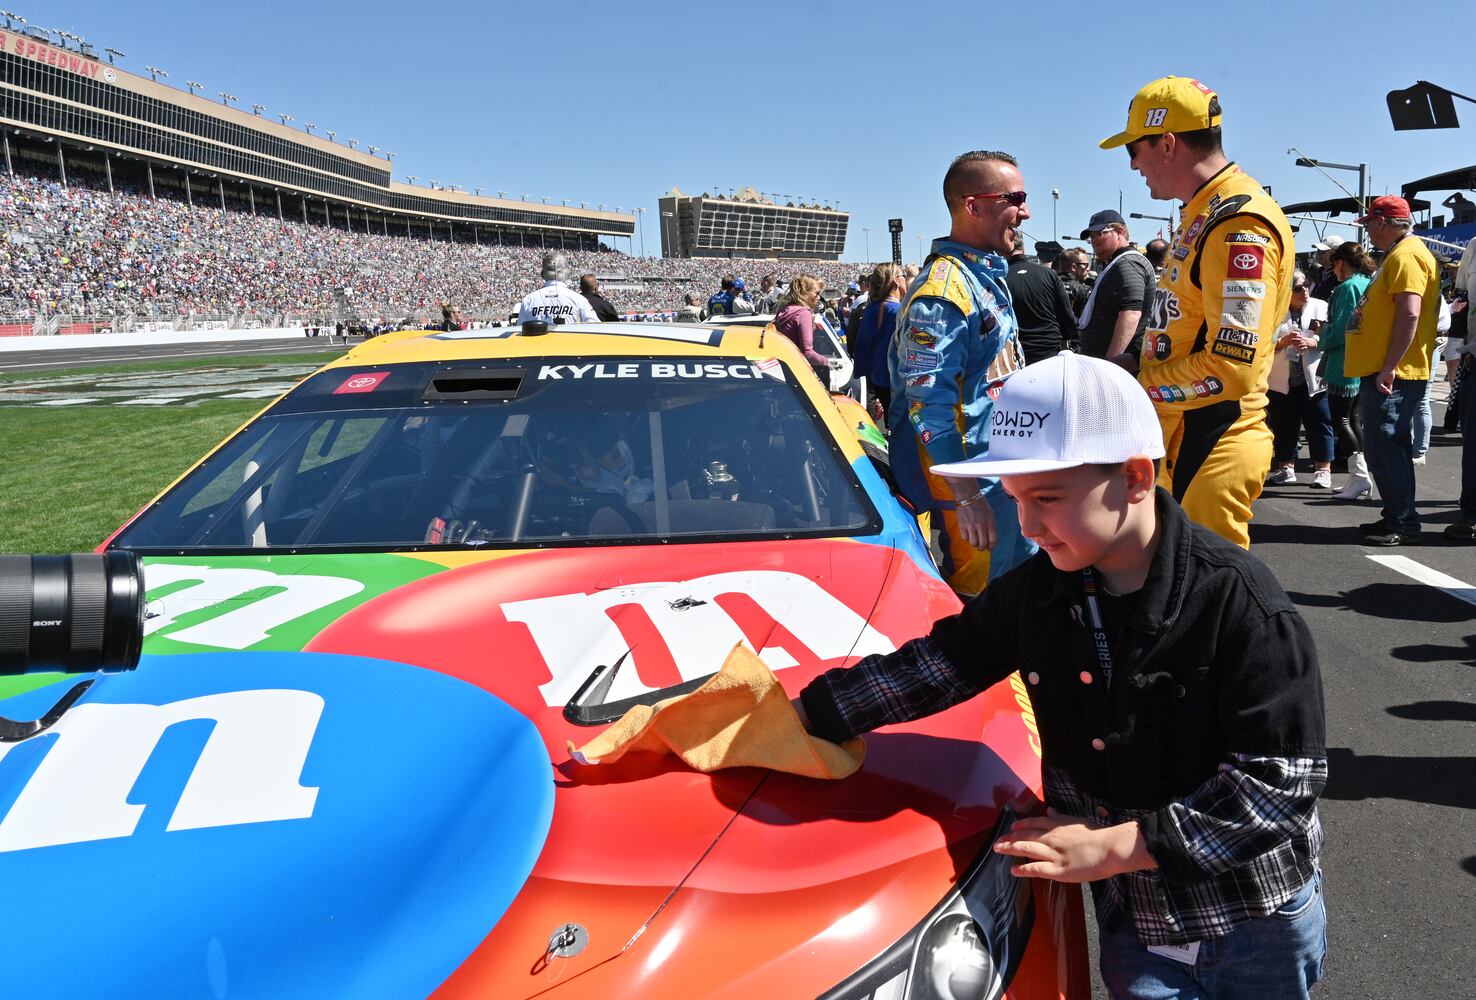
(858, 103)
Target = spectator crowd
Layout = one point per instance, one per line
(83, 251)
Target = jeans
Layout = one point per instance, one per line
(1388, 446)
(1288, 412)
(1468, 440)
(1276, 957)
(1423, 421)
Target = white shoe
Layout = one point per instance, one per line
(1282, 476)
(1322, 479)
(1359, 483)
(1418, 460)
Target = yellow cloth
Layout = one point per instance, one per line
(740, 718)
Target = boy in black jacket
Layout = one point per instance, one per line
(1176, 690)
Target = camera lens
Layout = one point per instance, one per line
(75, 613)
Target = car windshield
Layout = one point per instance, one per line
(527, 453)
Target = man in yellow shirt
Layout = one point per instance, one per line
(1390, 339)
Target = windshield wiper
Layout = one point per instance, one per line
(589, 708)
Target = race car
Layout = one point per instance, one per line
(375, 610)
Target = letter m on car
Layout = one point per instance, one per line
(80, 790)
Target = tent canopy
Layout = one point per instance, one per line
(1451, 180)
(1337, 206)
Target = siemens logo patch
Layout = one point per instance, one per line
(1243, 289)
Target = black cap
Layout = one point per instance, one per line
(1101, 221)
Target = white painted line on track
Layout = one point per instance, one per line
(1433, 578)
(134, 358)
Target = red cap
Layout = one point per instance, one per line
(1387, 207)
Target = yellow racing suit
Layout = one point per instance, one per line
(1225, 288)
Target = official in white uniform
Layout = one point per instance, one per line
(555, 302)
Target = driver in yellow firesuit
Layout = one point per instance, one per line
(1225, 287)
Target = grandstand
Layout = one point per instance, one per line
(64, 111)
(78, 258)
(128, 205)
(749, 224)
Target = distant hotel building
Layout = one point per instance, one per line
(749, 225)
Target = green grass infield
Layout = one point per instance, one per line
(74, 474)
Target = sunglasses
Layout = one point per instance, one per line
(1015, 198)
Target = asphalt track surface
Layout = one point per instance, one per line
(1398, 662)
(55, 359)
(1397, 639)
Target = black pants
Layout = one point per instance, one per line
(885, 395)
(1347, 424)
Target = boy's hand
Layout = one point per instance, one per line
(1072, 849)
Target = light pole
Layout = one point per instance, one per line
(155, 72)
(866, 231)
(1055, 200)
(257, 109)
(115, 54)
(641, 214)
(194, 85)
(919, 252)
(1159, 218)
(1361, 169)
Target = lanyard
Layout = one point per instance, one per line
(1099, 631)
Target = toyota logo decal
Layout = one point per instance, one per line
(1246, 261)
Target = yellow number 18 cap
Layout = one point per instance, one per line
(1169, 104)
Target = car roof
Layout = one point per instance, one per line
(574, 340)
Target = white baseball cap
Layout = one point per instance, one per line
(1062, 412)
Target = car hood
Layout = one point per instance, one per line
(373, 783)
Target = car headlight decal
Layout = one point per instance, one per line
(967, 948)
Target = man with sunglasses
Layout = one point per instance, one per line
(956, 335)
(1226, 286)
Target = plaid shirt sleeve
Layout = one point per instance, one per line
(915, 681)
(1250, 807)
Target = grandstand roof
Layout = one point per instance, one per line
(76, 98)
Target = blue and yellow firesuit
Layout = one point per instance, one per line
(956, 336)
